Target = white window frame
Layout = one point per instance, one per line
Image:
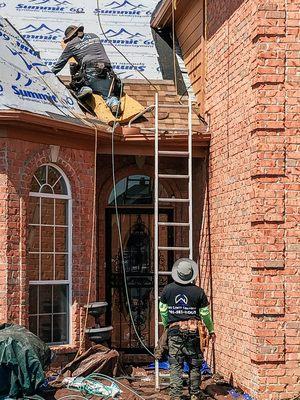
(69, 241)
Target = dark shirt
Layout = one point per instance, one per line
(83, 49)
(184, 301)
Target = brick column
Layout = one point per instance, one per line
(275, 204)
(3, 231)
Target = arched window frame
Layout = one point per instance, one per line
(68, 281)
(124, 181)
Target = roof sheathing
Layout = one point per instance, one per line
(26, 83)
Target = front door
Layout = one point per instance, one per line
(137, 232)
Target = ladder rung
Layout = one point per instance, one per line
(173, 248)
(167, 375)
(168, 273)
(173, 200)
(160, 323)
(174, 105)
(170, 176)
(173, 153)
(173, 224)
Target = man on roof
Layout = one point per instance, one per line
(94, 70)
(182, 305)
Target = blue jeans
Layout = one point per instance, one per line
(101, 86)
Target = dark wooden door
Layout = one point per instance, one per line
(137, 232)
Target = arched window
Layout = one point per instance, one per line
(134, 189)
(49, 255)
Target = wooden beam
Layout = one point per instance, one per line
(163, 15)
(145, 149)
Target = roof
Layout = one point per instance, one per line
(36, 106)
(74, 133)
(126, 23)
(170, 103)
(26, 83)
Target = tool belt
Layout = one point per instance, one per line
(100, 68)
(78, 73)
(189, 326)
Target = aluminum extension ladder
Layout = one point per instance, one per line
(158, 201)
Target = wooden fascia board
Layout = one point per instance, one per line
(147, 149)
(199, 139)
(162, 15)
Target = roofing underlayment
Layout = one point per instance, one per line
(125, 22)
(26, 83)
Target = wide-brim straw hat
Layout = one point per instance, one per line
(71, 31)
(184, 271)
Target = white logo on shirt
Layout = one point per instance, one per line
(181, 299)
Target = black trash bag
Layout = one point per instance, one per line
(23, 358)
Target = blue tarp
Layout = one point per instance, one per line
(165, 365)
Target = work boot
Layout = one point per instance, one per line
(114, 109)
(84, 91)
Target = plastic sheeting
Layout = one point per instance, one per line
(26, 83)
(23, 357)
(125, 22)
(165, 366)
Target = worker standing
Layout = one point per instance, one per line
(182, 305)
(94, 66)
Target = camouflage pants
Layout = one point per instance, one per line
(184, 347)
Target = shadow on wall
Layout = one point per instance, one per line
(218, 12)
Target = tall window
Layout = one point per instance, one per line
(49, 251)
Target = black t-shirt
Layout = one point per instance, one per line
(184, 301)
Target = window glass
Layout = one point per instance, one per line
(49, 255)
(134, 189)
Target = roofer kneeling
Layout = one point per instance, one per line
(93, 68)
(182, 305)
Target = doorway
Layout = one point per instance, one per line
(137, 232)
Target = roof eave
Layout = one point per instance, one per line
(162, 15)
(37, 128)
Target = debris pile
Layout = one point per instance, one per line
(95, 374)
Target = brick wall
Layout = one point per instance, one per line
(3, 229)
(228, 96)
(275, 199)
(251, 97)
(19, 161)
